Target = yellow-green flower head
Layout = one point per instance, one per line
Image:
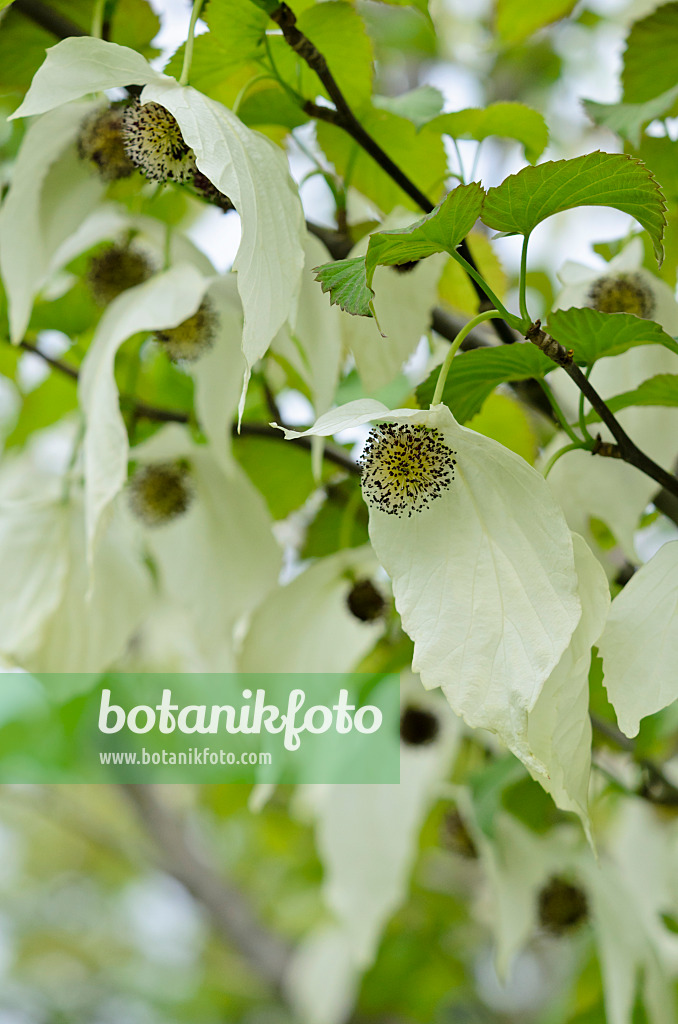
(115, 269)
(623, 293)
(100, 142)
(160, 492)
(209, 191)
(405, 467)
(154, 143)
(193, 337)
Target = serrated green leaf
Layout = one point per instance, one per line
(628, 119)
(346, 283)
(659, 390)
(419, 105)
(507, 120)
(475, 374)
(439, 231)
(651, 55)
(527, 198)
(266, 5)
(592, 334)
(516, 20)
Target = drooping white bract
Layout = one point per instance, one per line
(367, 838)
(558, 726)
(34, 219)
(164, 301)
(484, 577)
(332, 639)
(219, 559)
(639, 646)
(619, 495)
(243, 164)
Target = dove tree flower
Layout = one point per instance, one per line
(480, 558)
(242, 164)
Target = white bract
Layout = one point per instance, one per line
(618, 496)
(559, 727)
(639, 646)
(484, 577)
(241, 163)
(34, 219)
(164, 301)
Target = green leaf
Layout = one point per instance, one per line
(527, 198)
(592, 334)
(516, 20)
(507, 120)
(266, 5)
(651, 55)
(419, 105)
(659, 390)
(346, 283)
(628, 119)
(282, 473)
(45, 405)
(420, 155)
(475, 374)
(439, 231)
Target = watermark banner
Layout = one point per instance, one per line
(199, 728)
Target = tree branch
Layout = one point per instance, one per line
(44, 16)
(181, 855)
(656, 788)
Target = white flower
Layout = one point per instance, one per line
(480, 557)
(615, 492)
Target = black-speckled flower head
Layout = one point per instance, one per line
(405, 467)
(154, 143)
(160, 492)
(100, 142)
(193, 337)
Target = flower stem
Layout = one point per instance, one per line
(523, 280)
(582, 417)
(98, 19)
(188, 52)
(489, 314)
(511, 320)
(562, 419)
(556, 455)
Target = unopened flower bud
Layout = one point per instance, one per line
(562, 906)
(418, 726)
(365, 601)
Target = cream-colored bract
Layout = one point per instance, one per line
(484, 579)
(558, 726)
(639, 646)
(34, 219)
(243, 164)
(164, 301)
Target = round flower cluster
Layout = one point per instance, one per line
(405, 467)
(100, 142)
(160, 492)
(154, 143)
(622, 293)
(115, 269)
(562, 906)
(191, 338)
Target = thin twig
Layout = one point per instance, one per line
(180, 854)
(656, 788)
(49, 19)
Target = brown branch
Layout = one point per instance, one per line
(625, 448)
(180, 854)
(48, 19)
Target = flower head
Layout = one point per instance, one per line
(100, 142)
(115, 269)
(160, 491)
(622, 293)
(190, 339)
(405, 467)
(154, 143)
